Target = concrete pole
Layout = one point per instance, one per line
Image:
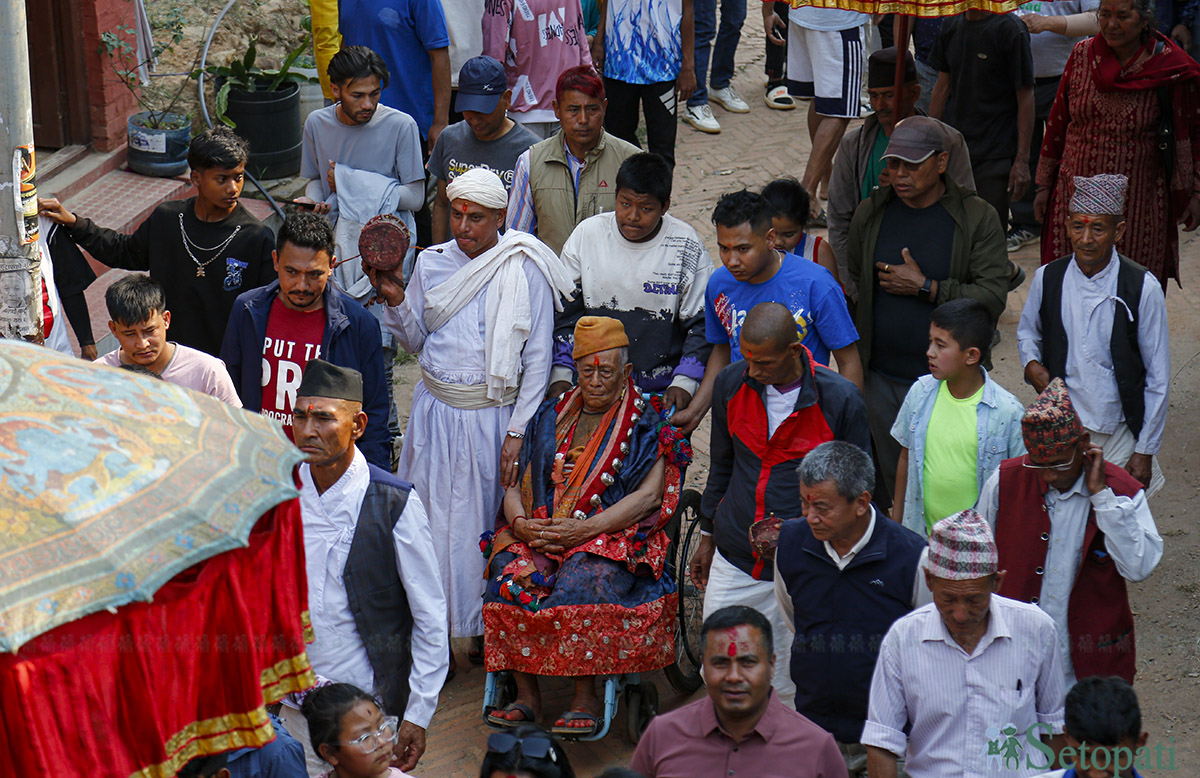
(20, 262)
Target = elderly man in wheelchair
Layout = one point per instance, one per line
(575, 575)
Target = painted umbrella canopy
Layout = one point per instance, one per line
(112, 483)
(924, 8)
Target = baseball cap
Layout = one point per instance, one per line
(916, 139)
(481, 82)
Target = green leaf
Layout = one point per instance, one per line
(287, 64)
(251, 53)
(238, 72)
(221, 104)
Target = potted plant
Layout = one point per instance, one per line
(263, 106)
(157, 136)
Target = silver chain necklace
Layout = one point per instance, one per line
(189, 244)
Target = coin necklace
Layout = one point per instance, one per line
(188, 243)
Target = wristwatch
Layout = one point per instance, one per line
(927, 289)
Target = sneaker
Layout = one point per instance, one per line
(1016, 276)
(779, 99)
(701, 118)
(728, 99)
(1019, 237)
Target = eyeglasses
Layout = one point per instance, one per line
(371, 742)
(535, 746)
(1061, 467)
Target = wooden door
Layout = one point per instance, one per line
(56, 68)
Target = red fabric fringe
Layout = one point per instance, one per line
(141, 691)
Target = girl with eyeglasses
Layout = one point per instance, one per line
(350, 732)
(526, 751)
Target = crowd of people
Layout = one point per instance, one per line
(904, 569)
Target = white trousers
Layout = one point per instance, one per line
(727, 585)
(1118, 448)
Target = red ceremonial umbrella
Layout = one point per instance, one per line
(152, 581)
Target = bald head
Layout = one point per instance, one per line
(770, 324)
(770, 345)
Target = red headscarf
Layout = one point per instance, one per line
(1169, 66)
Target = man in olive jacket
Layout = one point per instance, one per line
(858, 169)
(918, 243)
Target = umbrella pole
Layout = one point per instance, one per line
(900, 36)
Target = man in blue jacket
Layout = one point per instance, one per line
(843, 574)
(276, 329)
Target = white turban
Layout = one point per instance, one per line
(479, 186)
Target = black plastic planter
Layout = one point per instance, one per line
(270, 121)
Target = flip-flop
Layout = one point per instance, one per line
(502, 720)
(574, 715)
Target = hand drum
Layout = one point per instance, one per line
(383, 242)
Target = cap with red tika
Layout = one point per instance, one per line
(594, 334)
(1050, 425)
(962, 548)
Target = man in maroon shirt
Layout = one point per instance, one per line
(740, 725)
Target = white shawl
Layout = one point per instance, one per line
(507, 309)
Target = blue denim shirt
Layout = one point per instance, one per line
(999, 430)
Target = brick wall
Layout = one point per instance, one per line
(110, 103)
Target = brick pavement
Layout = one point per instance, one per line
(751, 149)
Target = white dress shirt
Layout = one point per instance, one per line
(1130, 538)
(953, 698)
(338, 653)
(1088, 307)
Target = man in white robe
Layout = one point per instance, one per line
(480, 312)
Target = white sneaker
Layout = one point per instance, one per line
(728, 99)
(701, 117)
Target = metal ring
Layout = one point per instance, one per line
(887, 268)
(542, 534)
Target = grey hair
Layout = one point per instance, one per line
(622, 354)
(845, 464)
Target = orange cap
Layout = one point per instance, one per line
(598, 333)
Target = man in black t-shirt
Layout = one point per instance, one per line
(204, 251)
(985, 91)
(914, 245)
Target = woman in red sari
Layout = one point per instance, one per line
(1106, 119)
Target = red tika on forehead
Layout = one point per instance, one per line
(595, 361)
(732, 648)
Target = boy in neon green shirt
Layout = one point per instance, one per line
(956, 424)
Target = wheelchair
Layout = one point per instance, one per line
(640, 695)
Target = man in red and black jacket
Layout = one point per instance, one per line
(768, 412)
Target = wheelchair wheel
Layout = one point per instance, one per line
(684, 674)
(641, 705)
